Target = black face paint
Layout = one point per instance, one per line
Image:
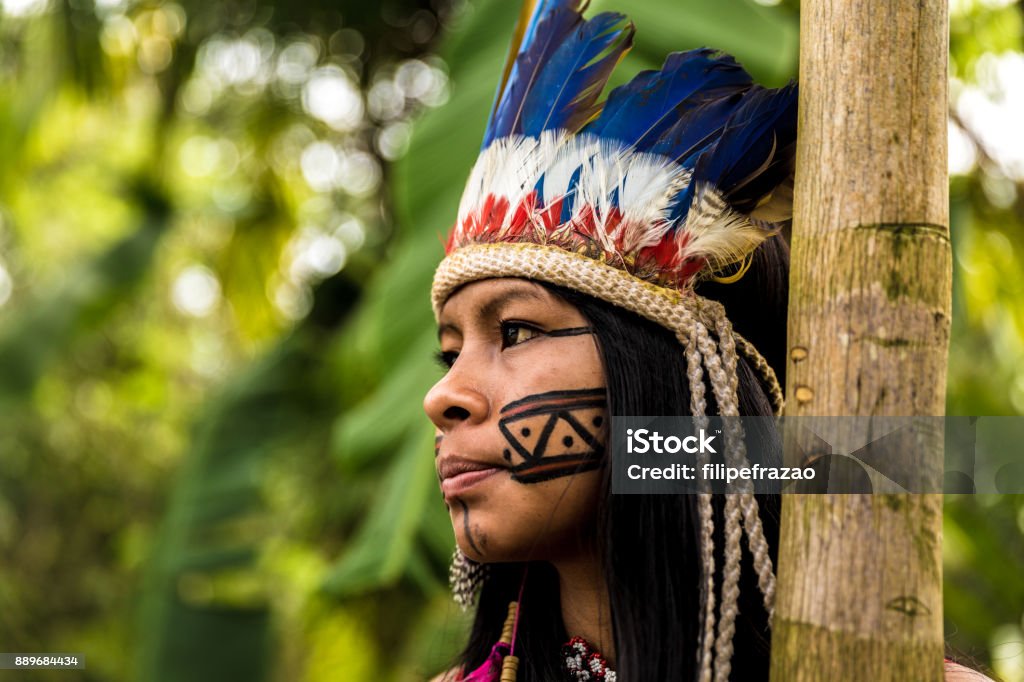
(554, 434)
(468, 532)
(570, 331)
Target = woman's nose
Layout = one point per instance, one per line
(457, 398)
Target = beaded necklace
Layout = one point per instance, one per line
(584, 664)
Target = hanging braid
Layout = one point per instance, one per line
(756, 541)
(721, 362)
(698, 408)
(725, 395)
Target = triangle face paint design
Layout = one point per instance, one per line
(554, 434)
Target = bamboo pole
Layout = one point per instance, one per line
(860, 577)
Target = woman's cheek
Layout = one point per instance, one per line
(552, 434)
(519, 521)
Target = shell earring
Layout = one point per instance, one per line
(465, 577)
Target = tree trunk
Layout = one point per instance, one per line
(860, 576)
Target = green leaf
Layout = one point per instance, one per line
(381, 552)
(206, 615)
(763, 39)
(379, 424)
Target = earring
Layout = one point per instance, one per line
(465, 577)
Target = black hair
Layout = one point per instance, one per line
(650, 543)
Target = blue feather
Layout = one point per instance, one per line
(569, 201)
(562, 66)
(750, 135)
(542, 8)
(753, 154)
(640, 112)
(552, 22)
(701, 108)
(529, 17)
(565, 95)
(696, 130)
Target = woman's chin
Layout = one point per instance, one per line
(487, 537)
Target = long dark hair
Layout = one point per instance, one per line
(650, 543)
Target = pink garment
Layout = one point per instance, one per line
(490, 671)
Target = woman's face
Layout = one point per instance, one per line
(521, 421)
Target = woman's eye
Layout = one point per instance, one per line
(446, 358)
(513, 333)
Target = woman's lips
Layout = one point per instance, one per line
(458, 475)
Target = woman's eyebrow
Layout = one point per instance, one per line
(491, 308)
(495, 305)
(447, 327)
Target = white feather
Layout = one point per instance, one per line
(645, 185)
(563, 161)
(716, 232)
(647, 188)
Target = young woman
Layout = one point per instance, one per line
(609, 259)
(620, 572)
(569, 294)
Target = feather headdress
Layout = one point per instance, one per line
(680, 173)
(677, 176)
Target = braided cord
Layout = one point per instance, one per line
(730, 590)
(698, 407)
(721, 386)
(756, 541)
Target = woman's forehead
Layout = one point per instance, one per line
(487, 295)
(482, 300)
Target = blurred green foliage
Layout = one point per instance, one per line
(218, 224)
